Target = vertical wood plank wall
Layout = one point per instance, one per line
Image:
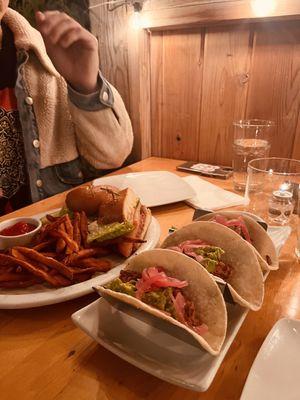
(188, 85)
(202, 80)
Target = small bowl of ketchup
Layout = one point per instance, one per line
(18, 231)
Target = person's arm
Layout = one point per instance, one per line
(103, 128)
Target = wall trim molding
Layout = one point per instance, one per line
(161, 14)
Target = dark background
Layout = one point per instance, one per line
(78, 9)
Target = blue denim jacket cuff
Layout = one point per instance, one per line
(99, 100)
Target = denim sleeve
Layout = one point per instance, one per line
(96, 101)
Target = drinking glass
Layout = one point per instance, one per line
(272, 188)
(251, 140)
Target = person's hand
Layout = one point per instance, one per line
(72, 49)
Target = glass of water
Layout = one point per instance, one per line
(251, 140)
(272, 189)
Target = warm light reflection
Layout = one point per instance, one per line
(138, 20)
(263, 8)
(292, 307)
(285, 186)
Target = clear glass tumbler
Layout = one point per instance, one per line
(272, 188)
(251, 140)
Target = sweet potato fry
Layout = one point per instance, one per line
(77, 271)
(70, 242)
(5, 263)
(6, 269)
(51, 254)
(82, 277)
(62, 280)
(99, 264)
(69, 226)
(31, 268)
(20, 284)
(58, 278)
(50, 227)
(76, 228)
(86, 253)
(61, 244)
(51, 218)
(19, 256)
(14, 276)
(48, 261)
(44, 245)
(70, 232)
(83, 228)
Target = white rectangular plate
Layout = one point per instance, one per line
(155, 188)
(156, 347)
(275, 372)
(164, 351)
(41, 295)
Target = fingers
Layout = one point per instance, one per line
(43, 19)
(52, 23)
(71, 36)
(60, 29)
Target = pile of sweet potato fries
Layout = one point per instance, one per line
(58, 256)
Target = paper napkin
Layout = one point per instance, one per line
(210, 196)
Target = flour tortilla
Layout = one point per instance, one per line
(246, 282)
(202, 290)
(260, 238)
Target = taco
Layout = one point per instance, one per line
(223, 253)
(249, 230)
(171, 286)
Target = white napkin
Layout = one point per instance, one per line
(210, 196)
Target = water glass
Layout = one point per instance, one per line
(252, 139)
(272, 188)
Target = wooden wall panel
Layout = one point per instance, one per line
(274, 91)
(227, 57)
(124, 60)
(183, 88)
(139, 78)
(157, 83)
(111, 30)
(176, 85)
(246, 71)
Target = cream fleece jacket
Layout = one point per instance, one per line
(103, 138)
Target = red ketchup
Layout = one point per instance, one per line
(20, 228)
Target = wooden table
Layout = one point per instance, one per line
(44, 356)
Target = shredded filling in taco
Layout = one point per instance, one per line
(160, 291)
(251, 231)
(237, 225)
(209, 256)
(224, 253)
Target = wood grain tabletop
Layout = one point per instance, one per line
(44, 356)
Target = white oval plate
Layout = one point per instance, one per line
(41, 295)
(155, 188)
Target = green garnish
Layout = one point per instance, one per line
(101, 233)
(123, 287)
(160, 299)
(211, 256)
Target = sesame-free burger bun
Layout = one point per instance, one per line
(88, 197)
